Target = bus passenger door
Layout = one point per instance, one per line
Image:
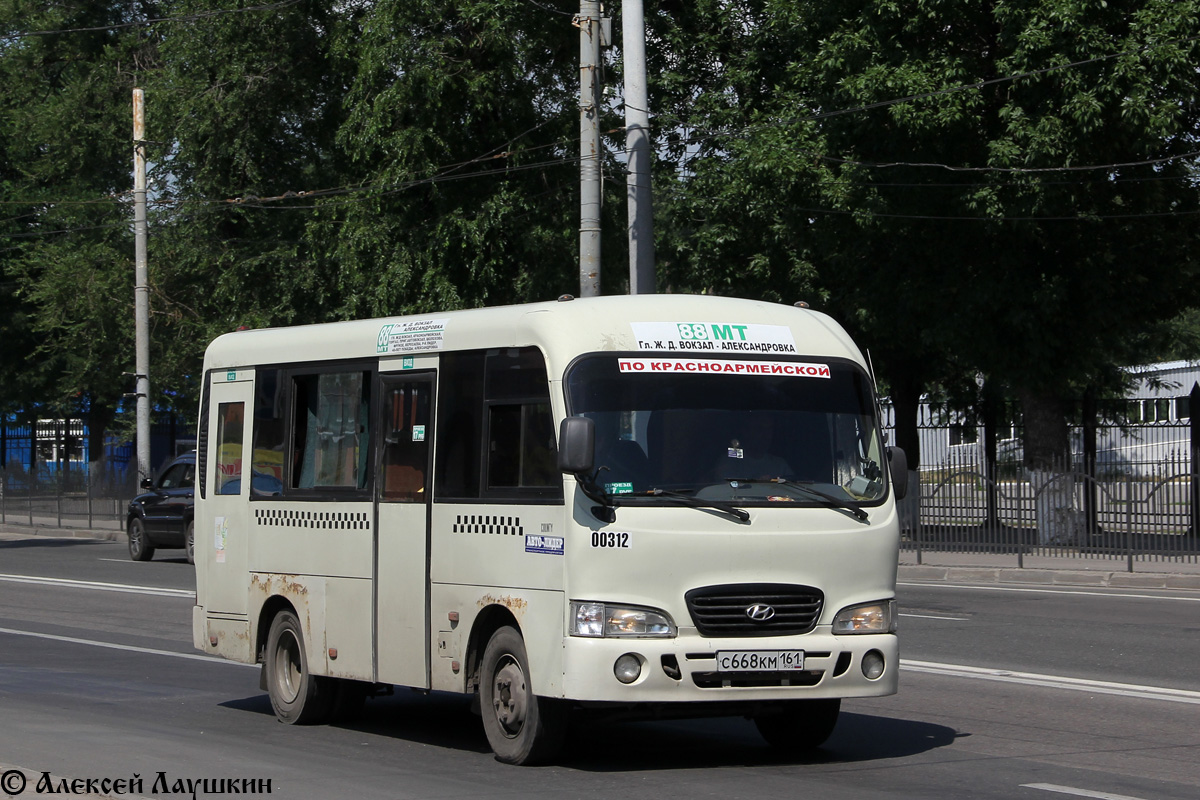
(223, 515)
(402, 534)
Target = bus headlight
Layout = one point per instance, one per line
(877, 617)
(601, 620)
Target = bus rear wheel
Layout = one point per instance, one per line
(799, 725)
(297, 696)
(521, 727)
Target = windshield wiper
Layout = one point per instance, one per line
(827, 499)
(741, 515)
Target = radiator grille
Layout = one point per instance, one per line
(761, 609)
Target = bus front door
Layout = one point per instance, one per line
(402, 636)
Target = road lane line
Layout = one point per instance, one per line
(103, 587)
(1116, 593)
(1053, 787)
(928, 667)
(126, 647)
(1053, 681)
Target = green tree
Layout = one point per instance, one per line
(65, 154)
(248, 106)
(1034, 226)
(462, 140)
(334, 160)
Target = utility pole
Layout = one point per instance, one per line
(141, 287)
(637, 148)
(589, 144)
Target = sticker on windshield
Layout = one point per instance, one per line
(623, 487)
(714, 337)
(723, 366)
(413, 336)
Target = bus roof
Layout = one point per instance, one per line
(676, 325)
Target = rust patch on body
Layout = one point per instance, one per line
(516, 605)
(270, 584)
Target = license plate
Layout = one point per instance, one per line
(759, 660)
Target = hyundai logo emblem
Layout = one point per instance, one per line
(760, 612)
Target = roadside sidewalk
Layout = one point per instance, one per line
(1047, 570)
(110, 531)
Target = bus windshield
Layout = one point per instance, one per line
(749, 431)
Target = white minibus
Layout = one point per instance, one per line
(670, 505)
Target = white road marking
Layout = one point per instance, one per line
(1053, 787)
(929, 667)
(126, 647)
(1054, 681)
(103, 587)
(1030, 590)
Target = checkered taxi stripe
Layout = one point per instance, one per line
(323, 520)
(486, 523)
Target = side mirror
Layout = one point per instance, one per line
(147, 484)
(576, 445)
(898, 468)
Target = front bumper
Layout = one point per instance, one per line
(684, 669)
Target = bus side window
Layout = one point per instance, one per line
(230, 417)
(521, 452)
(494, 406)
(460, 406)
(330, 438)
(269, 436)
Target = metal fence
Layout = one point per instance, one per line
(46, 477)
(71, 498)
(1129, 492)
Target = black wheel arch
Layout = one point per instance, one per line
(266, 615)
(490, 620)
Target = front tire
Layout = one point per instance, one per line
(799, 725)
(297, 696)
(521, 727)
(139, 545)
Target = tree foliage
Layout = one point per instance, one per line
(68, 300)
(999, 188)
(1026, 211)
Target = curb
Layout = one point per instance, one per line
(1049, 577)
(54, 532)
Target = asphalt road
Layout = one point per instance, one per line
(1004, 694)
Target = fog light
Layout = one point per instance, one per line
(628, 668)
(872, 665)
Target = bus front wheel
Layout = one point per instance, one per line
(521, 727)
(297, 696)
(799, 725)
